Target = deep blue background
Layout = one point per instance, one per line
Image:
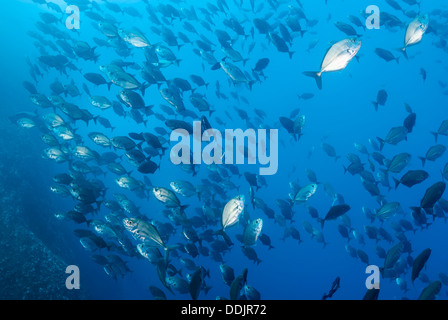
(342, 113)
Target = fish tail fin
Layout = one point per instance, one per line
(397, 182)
(423, 161)
(417, 210)
(317, 76)
(143, 88)
(321, 221)
(224, 236)
(403, 50)
(382, 142)
(290, 53)
(139, 145)
(98, 204)
(430, 211)
(435, 134)
(183, 207)
(375, 104)
(380, 198)
(251, 83)
(108, 85)
(207, 273)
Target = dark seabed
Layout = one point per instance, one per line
(88, 174)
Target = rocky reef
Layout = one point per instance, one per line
(29, 268)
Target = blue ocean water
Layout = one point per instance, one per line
(341, 114)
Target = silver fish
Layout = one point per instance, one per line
(128, 183)
(167, 197)
(143, 231)
(415, 31)
(234, 73)
(231, 212)
(336, 58)
(183, 188)
(305, 192)
(134, 37)
(252, 231)
(388, 210)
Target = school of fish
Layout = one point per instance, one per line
(147, 88)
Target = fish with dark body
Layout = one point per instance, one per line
(443, 130)
(432, 195)
(386, 55)
(433, 153)
(394, 136)
(419, 263)
(381, 99)
(411, 178)
(334, 213)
